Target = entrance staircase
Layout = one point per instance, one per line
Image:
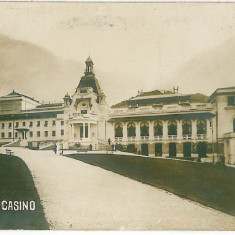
(47, 146)
(103, 145)
(15, 143)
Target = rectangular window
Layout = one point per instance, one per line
(62, 123)
(23, 123)
(17, 124)
(16, 134)
(38, 133)
(10, 125)
(30, 134)
(53, 133)
(53, 123)
(31, 124)
(9, 134)
(62, 132)
(231, 100)
(3, 125)
(2, 135)
(38, 123)
(46, 133)
(83, 111)
(46, 123)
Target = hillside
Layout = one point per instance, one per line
(34, 71)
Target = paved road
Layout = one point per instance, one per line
(76, 195)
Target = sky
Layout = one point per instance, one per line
(133, 45)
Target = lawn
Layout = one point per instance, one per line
(16, 184)
(208, 184)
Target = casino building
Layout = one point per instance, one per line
(156, 123)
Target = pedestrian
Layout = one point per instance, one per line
(90, 146)
(223, 160)
(55, 149)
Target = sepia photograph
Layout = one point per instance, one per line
(117, 116)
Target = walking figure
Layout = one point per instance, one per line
(55, 149)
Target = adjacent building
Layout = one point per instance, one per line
(155, 123)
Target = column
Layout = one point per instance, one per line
(137, 130)
(72, 130)
(165, 130)
(89, 130)
(152, 150)
(112, 134)
(83, 132)
(194, 129)
(151, 130)
(179, 149)
(209, 129)
(179, 129)
(124, 131)
(165, 150)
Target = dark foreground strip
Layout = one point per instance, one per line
(16, 184)
(210, 185)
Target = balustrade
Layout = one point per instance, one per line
(158, 137)
(187, 137)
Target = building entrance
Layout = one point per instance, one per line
(158, 149)
(172, 149)
(187, 149)
(144, 149)
(201, 148)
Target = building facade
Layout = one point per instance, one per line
(156, 123)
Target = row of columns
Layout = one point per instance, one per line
(165, 129)
(83, 132)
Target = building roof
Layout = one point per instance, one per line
(171, 116)
(222, 91)
(53, 105)
(90, 81)
(31, 115)
(89, 59)
(161, 96)
(16, 94)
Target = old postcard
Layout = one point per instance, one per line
(117, 116)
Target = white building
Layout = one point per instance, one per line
(156, 123)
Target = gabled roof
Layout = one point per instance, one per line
(16, 94)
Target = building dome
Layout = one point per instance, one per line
(89, 60)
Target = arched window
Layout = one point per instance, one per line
(158, 128)
(118, 130)
(131, 129)
(187, 127)
(144, 129)
(234, 125)
(201, 127)
(172, 128)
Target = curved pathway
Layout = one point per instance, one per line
(79, 196)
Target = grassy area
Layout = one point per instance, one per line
(16, 184)
(210, 185)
